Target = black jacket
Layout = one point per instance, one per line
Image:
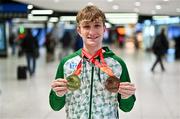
(29, 44)
(160, 45)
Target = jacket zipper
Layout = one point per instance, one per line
(90, 106)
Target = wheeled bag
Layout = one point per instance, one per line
(21, 72)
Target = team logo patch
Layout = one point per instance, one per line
(73, 65)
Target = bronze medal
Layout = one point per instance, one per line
(112, 84)
(73, 83)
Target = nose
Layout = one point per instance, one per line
(92, 31)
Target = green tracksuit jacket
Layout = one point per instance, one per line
(92, 100)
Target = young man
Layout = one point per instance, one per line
(95, 71)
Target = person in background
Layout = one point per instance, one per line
(66, 42)
(102, 82)
(50, 44)
(177, 47)
(78, 43)
(31, 49)
(12, 43)
(160, 47)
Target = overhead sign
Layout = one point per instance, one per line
(13, 10)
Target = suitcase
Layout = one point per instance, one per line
(21, 72)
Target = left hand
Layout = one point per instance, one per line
(126, 89)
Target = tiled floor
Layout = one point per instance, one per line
(158, 94)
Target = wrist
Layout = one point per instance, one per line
(59, 95)
(124, 97)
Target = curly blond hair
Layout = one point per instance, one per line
(90, 13)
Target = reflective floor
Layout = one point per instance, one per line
(158, 93)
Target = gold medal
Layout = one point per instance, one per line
(73, 83)
(112, 84)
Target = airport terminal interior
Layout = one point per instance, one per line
(157, 94)
(130, 35)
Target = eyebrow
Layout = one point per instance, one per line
(87, 21)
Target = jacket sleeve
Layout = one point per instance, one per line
(125, 105)
(56, 102)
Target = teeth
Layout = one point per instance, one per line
(92, 37)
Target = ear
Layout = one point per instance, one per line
(78, 30)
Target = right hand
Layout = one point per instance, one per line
(59, 86)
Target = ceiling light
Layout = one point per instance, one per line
(137, 4)
(123, 21)
(53, 19)
(90, 3)
(56, 1)
(41, 12)
(110, 0)
(122, 18)
(165, 0)
(158, 7)
(68, 18)
(37, 18)
(115, 7)
(121, 15)
(30, 6)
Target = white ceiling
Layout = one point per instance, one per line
(147, 7)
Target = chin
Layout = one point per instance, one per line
(93, 43)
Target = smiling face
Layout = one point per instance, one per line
(91, 26)
(91, 32)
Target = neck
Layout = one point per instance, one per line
(91, 50)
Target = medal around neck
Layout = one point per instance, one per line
(73, 83)
(112, 84)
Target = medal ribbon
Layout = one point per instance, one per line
(103, 66)
(78, 69)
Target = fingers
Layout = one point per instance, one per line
(59, 86)
(58, 89)
(127, 92)
(127, 86)
(126, 89)
(59, 83)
